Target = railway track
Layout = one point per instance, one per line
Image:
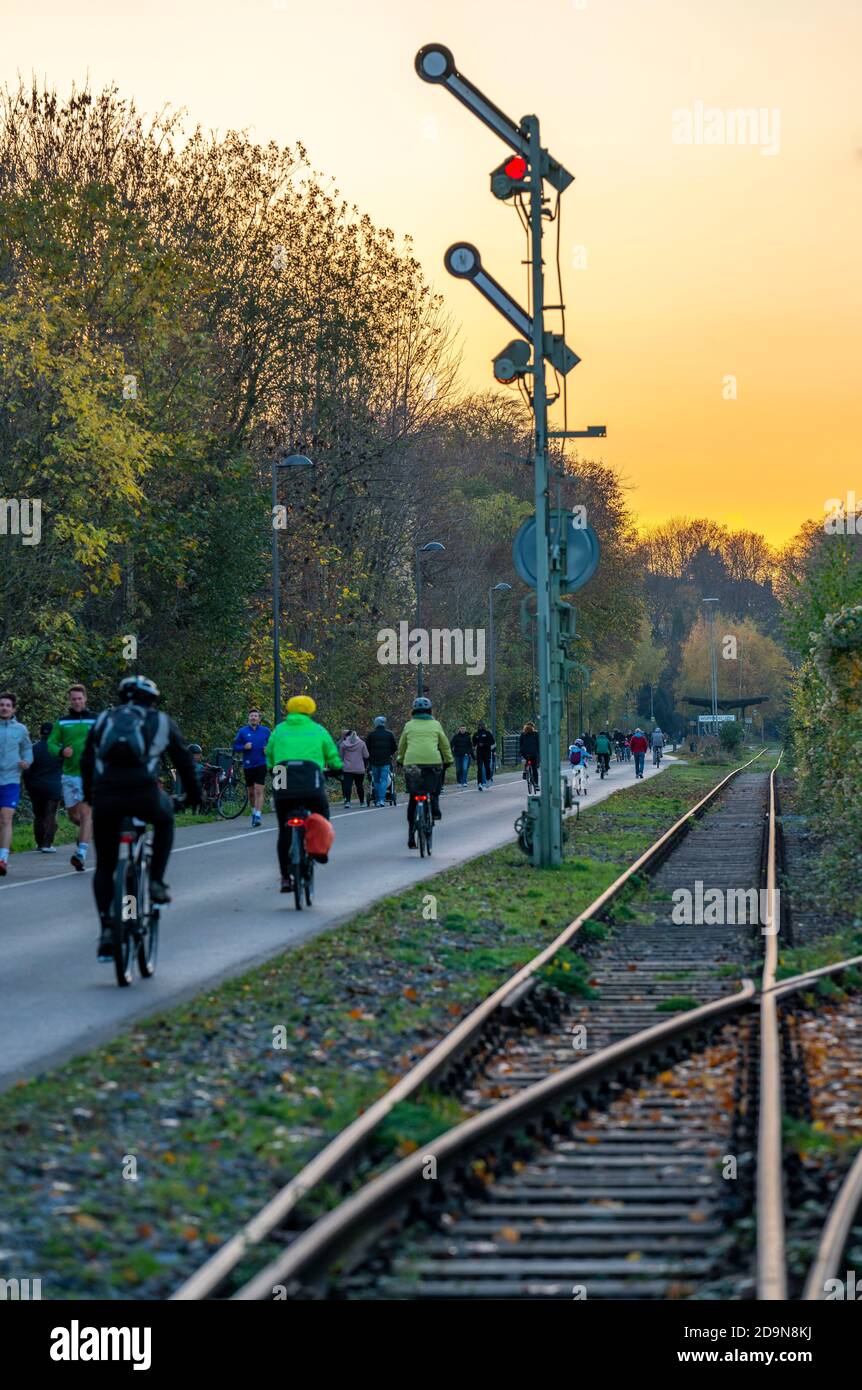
(612, 1144)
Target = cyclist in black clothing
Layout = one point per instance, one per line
(528, 749)
(120, 768)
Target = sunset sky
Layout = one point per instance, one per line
(702, 260)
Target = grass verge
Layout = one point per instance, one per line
(123, 1168)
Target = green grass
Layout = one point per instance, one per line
(677, 1004)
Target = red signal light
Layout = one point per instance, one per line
(516, 167)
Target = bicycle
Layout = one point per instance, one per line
(420, 789)
(134, 917)
(604, 761)
(531, 772)
(579, 780)
(222, 793)
(302, 878)
(656, 757)
(423, 823)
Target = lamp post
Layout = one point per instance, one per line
(429, 547)
(495, 589)
(713, 667)
(287, 461)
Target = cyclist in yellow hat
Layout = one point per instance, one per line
(298, 753)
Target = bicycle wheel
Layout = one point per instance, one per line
(309, 883)
(232, 799)
(148, 925)
(421, 831)
(124, 918)
(296, 858)
(429, 828)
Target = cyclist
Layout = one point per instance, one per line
(578, 760)
(119, 771)
(251, 740)
(528, 749)
(67, 740)
(298, 754)
(657, 742)
(603, 750)
(382, 746)
(424, 745)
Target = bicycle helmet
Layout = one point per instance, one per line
(194, 748)
(422, 705)
(138, 688)
(301, 704)
(380, 721)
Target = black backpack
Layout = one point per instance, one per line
(125, 737)
(296, 777)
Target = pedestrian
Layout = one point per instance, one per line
(16, 750)
(251, 741)
(462, 751)
(353, 752)
(484, 745)
(638, 744)
(67, 740)
(42, 780)
(382, 746)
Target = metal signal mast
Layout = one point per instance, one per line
(550, 553)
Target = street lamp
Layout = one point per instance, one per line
(713, 666)
(430, 546)
(287, 461)
(495, 589)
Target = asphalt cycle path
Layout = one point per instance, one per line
(57, 1001)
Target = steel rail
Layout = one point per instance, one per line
(345, 1145)
(358, 1216)
(835, 1234)
(796, 982)
(771, 1264)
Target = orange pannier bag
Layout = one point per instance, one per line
(319, 836)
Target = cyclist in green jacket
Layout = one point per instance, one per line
(603, 751)
(298, 753)
(423, 745)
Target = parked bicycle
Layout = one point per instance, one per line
(223, 793)
(134, 917)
